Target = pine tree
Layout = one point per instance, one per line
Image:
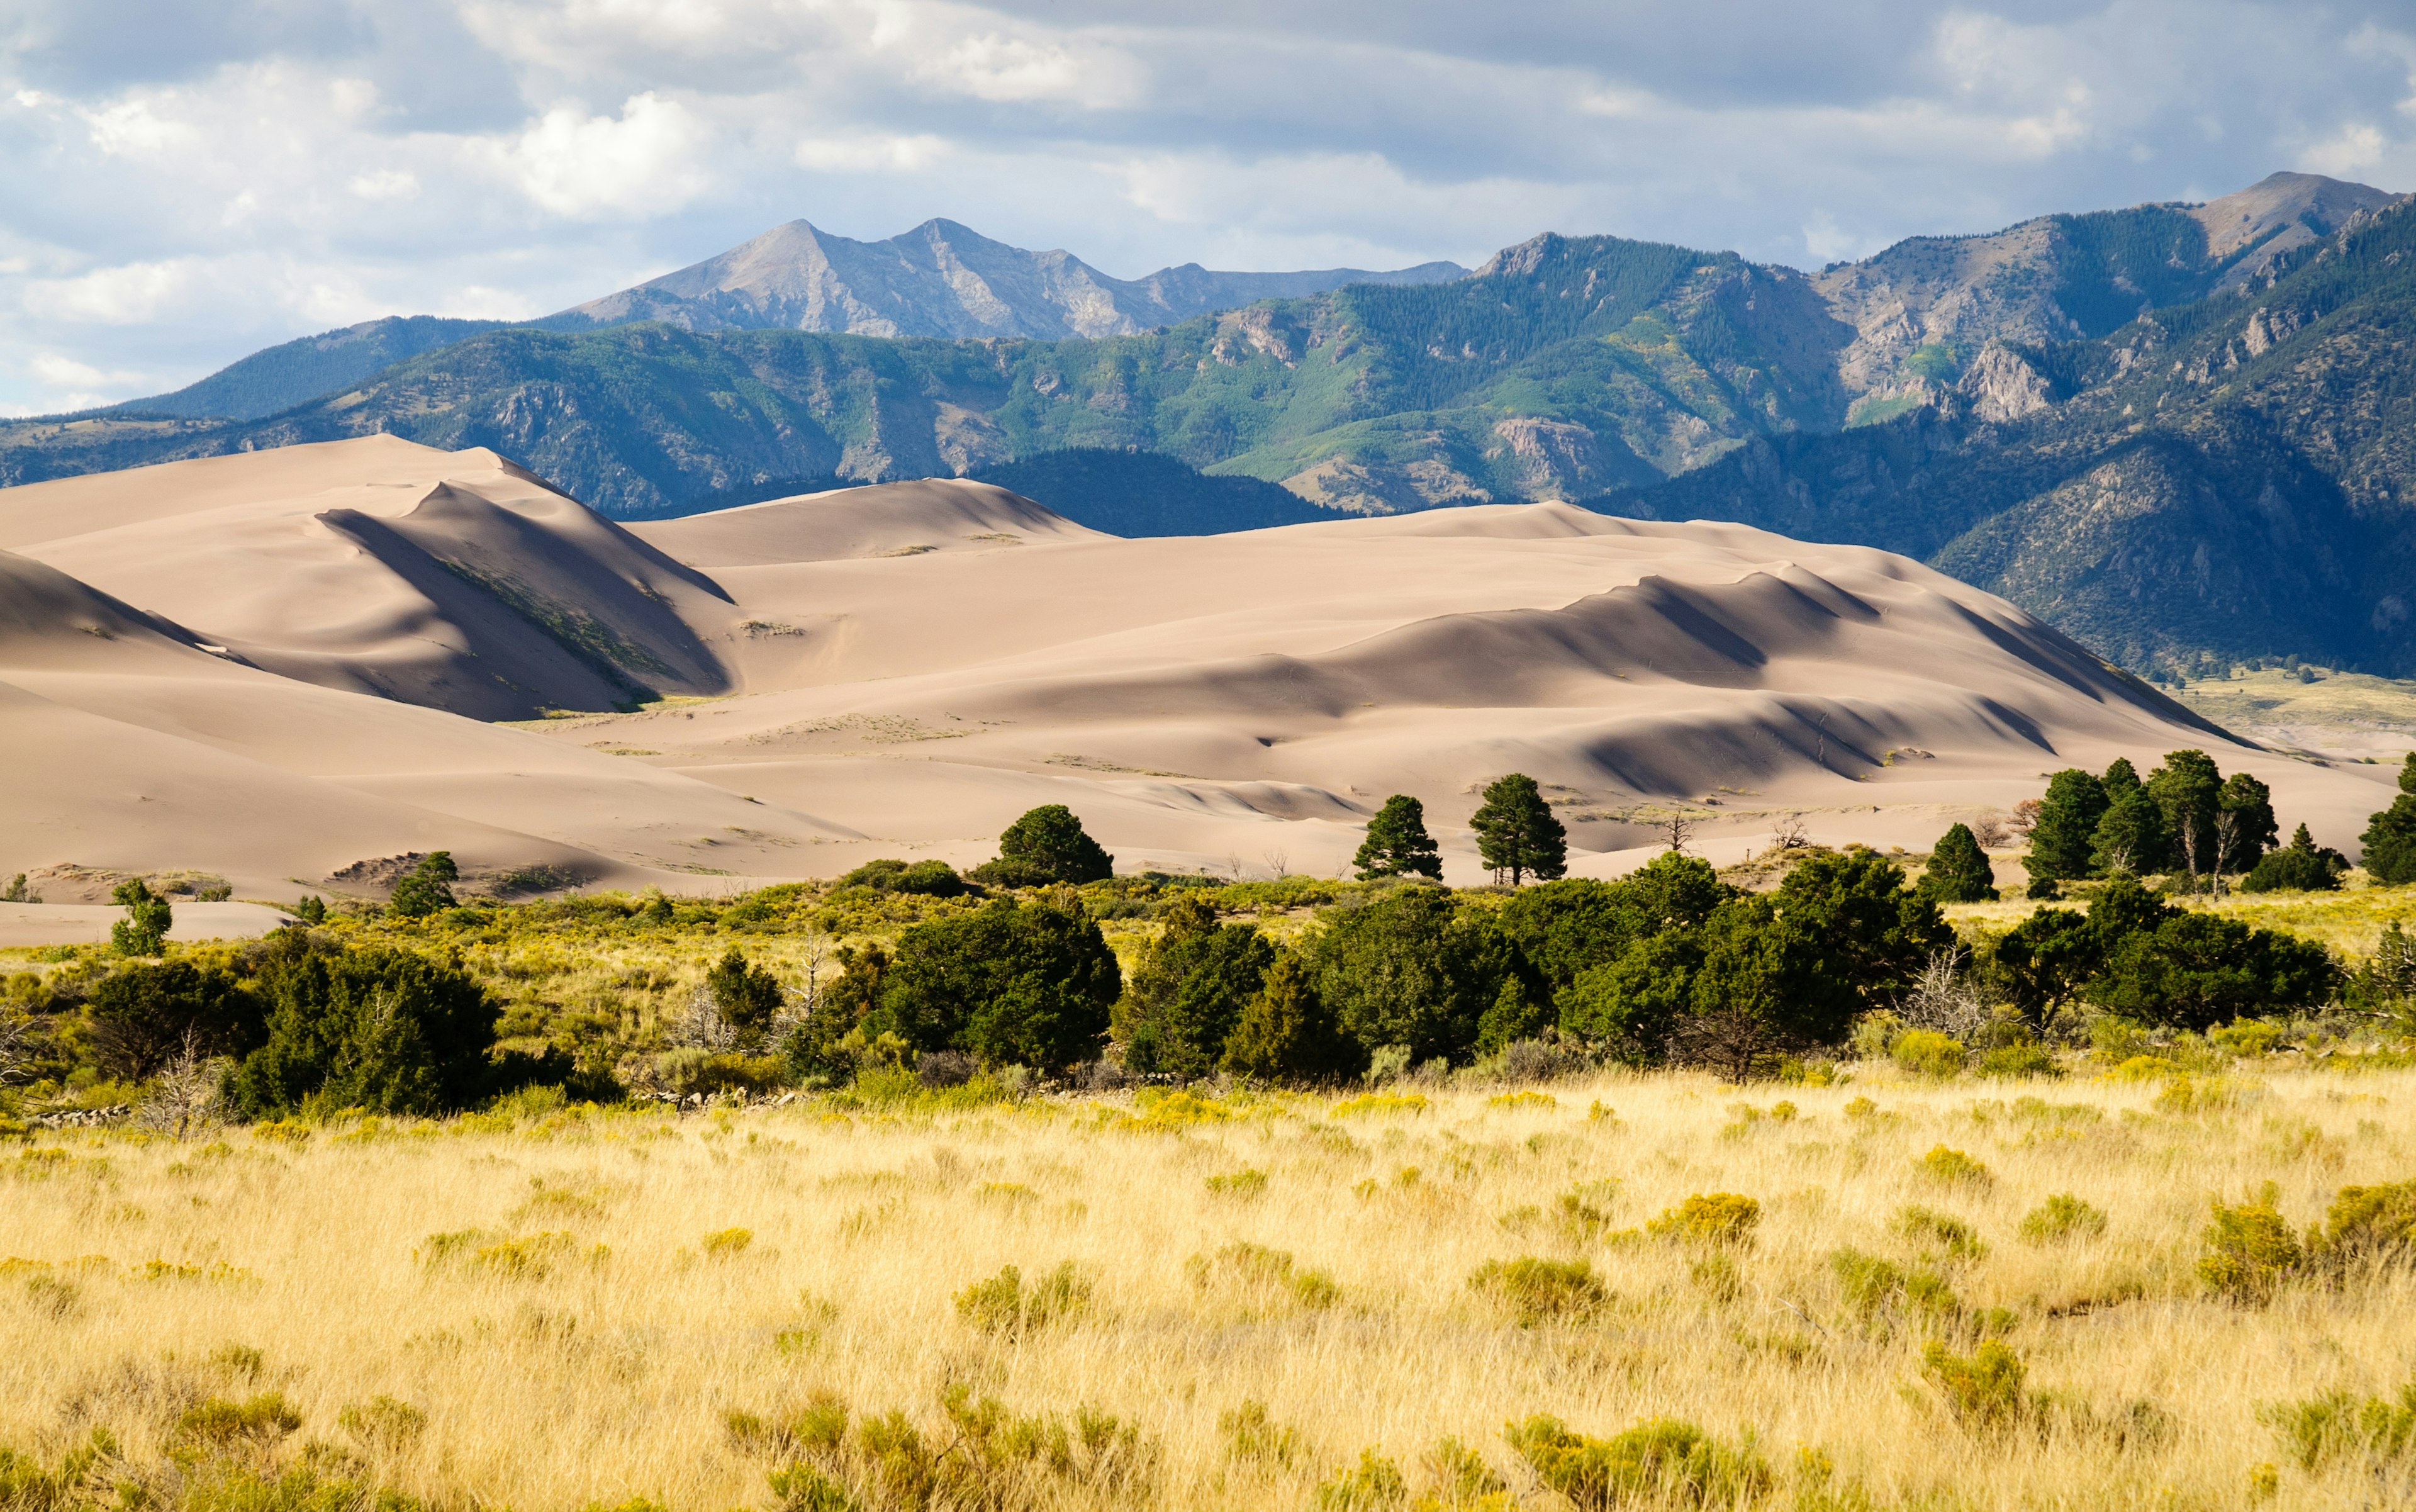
(1048, 844)
(144, 930)
(1397, 844)
(2245, 826)
(2298, 867)
(2390, 837)
(1958, 869)
(2121, 777)
(1517, 833)
(2131, 840)
(2066, 827)
(427, 889)
(2188, 793)
(1285, 1032)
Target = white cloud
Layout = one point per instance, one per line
(648, 160)
(385, 184)
(2351, 149)
(122, 296)
(869, 154)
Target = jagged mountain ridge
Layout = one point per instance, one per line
(941, 279)
(2228, 477)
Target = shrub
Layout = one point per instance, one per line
(2250, 1250)
(1009, 983)
(1928, 1053)
(1413, 968)
(1875, 1288)
(1958, 1238)
(1712, 1218)
(1263, 1274)
(746, 997)
(1254, 1437)
(2321, 1431)
(375, 1029)
(726, 1244)
(1958, 869)
(2367, 1223)
(1374, 1482)
(1535, 1290)
(221, 1425)
(1663, 1460)
(143, 1016)
(2298, 867)
(2020, 1060)
(1461, 1478)
(2061, 1217)
(1983, 1389)
(928, 879)
(1954, 1168)
(1285, 1032)
(1004, 1305)
(2196, 970)
(1243, 1184)
(1187, 993)
(385, 1424)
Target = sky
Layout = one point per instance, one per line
(182, 182)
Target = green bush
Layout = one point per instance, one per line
(1928, 1053)
(1374, 1482)
(1954, 1168)
(1047, 844)
(2061, 1217)
(1187, 993)
(1414, 968)
(144, 931)
(1957, 1238)
(375, 1029)
(1665, 1462)
(2019, 1061)
(427, 888)
(2324, 1430)
(1287, 1033)
(1708, 1218)
(2250, 1250)
(144, 1015)
(1004, 1305)
(1535, 1290)
(1982, 1389)
(1009, 983)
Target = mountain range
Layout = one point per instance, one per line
(2174, 431)
(940, 278)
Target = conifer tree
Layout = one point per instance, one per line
(2390, 837)
(1958, 869)
(2131, 841)
(2064, 832)
(1517, 833)
(144, 930)
(428, 887)
(1285, 1032)
(1048, 844)
(1397, 844)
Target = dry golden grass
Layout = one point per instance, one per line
(600, 1366)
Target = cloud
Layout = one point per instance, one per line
(646, 161)
(188, 180)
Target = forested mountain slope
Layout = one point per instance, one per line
(2233, 476)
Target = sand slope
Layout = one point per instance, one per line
(453, 580)
(902, 670)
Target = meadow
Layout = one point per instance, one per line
(1879, 1291)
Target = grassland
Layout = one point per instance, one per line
(2344, 715)
(563, 1308)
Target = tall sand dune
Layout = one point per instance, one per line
(262, 666)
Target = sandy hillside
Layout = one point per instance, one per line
(902, 670)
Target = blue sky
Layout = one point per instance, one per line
(184, 181)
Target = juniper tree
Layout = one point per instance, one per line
(1517, 833)
(144, 930)
(1048, 844)
(2064, 832)
(427, 889)
(2390, 837)
(1397, 844)
(1958, 871)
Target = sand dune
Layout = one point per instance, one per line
(452, 579)
(901, 669)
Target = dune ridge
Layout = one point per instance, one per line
(274, 666)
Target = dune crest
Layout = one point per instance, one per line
(261, 665)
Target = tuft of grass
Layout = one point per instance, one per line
(1373, 1103)
(2322, 1431)
(1983, 1389)
(728, 1244)
(1373, 1482)
(1951, 1233)
(1254, 1437)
